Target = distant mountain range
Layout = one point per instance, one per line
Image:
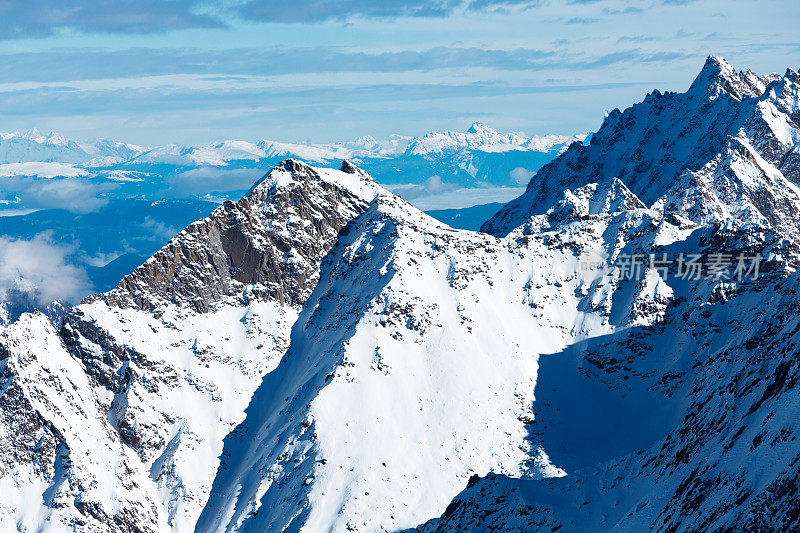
(477, 158)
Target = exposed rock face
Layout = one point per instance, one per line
(399, 342)
(15, 303)
(268, 245)
(221, 296)
(62, 461)
(687, 425)
(682, 421)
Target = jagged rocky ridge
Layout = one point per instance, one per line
(726, 148)
(322, 356)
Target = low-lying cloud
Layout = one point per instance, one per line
(40, 269)
(77, 195)
(433, 193)
(521, 176)
(203, 180)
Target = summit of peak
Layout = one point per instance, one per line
(35, 135)
(270, 241)
(56, 138)
(718, 62)
(293, 172)
(718, 77)
(479, 127)
(283, 173)
(293, 165)
(349, 168)
(715, 71)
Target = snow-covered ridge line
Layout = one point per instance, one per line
(725, 148)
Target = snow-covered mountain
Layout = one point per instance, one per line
(35, 147)
(686, 419)
(434, 144)
(460, 158)
(322, 356)
(485, 139)
(32, 146)
(356, 292)
(726, 148)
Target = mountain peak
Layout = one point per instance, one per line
(718, 77)
(716, 72)
(267, 246)
(283, 173)
(349, 168)
(34, 135)
(717, 62)
(478, 127)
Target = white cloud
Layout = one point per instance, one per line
(210, 179)
(434, 185)
(77, 195)
(40, 269)
(100, 259)
(449, 196)
(159, 229)
(521, 175)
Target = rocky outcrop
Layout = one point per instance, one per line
(62, 461)
(683, 425)
(266, 246)
(202, 321)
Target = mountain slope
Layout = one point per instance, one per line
(174, 377)
(685, 425)
(183, 341)
(63, 462)
(415, 339)
(171, 376)
(683, 421)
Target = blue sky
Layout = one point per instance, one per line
(186, 71)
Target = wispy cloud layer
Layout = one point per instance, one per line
(41, 18)
(189, 71)
(74, 65)
(281, 11)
